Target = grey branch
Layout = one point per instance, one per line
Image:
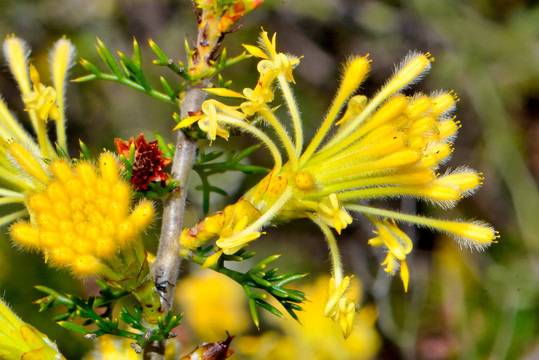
(167, 261)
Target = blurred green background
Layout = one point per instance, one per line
(460, 305)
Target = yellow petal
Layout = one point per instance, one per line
(224, 92)
(405, 275)
(188, 121)
(255, 51)
(28, 162)
(211, 260)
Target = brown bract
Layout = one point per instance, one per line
(149, 163)
(212, 351)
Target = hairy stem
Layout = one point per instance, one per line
(167, 261)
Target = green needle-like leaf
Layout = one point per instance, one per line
(108, 59)
(272, 309)
(137, 56)
(134, 71)
(73, 327)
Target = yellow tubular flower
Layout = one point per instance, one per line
(340, 307)
(397, 244)
(42, 98)
(19, 340)
(22, 159)
(61, 60)
(389, 146)
(16, 52)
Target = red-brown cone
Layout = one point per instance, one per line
(149, 163)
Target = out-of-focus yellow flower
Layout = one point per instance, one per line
(108, 347)
(213, 304)
(389, 146)
(316, 337)
(19, 340)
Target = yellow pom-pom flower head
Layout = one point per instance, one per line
(82, 219)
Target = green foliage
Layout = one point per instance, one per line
(206, 167)
(104, 320)
(128, 71)
(258, 277)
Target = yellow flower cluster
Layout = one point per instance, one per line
(81, 218)
(80, 214)
(389, 146)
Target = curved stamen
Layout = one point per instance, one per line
(294, 112)
(281, 132)
(274, 150)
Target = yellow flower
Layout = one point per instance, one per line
(389, 146)
(276, 63)
(398, 245)
(333, 214)
(225, 223)
(19, 340)
(80, 218)
(213, 304)
(43, 102)
(340, 306)
(42, 99)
